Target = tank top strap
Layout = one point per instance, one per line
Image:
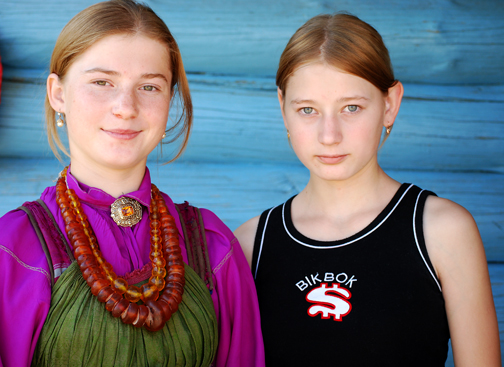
(264, 220)
(418, 230)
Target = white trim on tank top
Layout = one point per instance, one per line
(349, 242)
(418, 245)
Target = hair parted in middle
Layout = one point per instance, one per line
(115, 17)
(343, 41)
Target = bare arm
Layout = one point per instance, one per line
(246, 236)
(456, 250)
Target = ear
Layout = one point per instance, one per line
(392, 103)
(55, 92)
(281, 101)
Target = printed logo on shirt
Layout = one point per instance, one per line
(329, 301)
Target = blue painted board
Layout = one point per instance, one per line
(437, 42)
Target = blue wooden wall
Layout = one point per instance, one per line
(448, 137)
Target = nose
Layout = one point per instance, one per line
(126, 104)
(330, 130)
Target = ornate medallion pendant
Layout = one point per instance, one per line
(126, 212)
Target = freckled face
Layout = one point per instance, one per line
(335, 121)
(116, 98)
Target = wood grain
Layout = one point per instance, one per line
(435, 42)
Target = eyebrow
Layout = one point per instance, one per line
(115, 73)
(344, 99)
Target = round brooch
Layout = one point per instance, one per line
(126, 212)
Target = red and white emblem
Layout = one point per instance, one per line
(329, 301)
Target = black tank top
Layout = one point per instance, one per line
(372, 299)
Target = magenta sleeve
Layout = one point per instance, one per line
(25, 290)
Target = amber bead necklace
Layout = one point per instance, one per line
(161, 295)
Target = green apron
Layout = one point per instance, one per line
(79, 331)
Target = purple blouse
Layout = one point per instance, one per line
(25, 290)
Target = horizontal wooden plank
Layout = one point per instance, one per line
(237, 119)
(435, 42)
(237, 192)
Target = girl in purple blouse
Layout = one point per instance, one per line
(114, 73)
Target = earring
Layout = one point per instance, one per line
(388, 129)
(164, 136)
(59, 121)
(288, 135)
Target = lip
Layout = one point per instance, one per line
(122, 134)
(332, 159)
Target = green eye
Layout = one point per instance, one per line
(149, 88)
(352, 108)
(307, 110)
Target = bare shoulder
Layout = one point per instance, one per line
(449, 227)
(451, 234)
(246, 236)
(456, 251)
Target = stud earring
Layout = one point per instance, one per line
(164, 136)
(59, 121)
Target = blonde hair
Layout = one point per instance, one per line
(340, 40)
(111, 18)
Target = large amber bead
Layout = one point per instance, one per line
(91, 270)
(79, 250)
(131, 313)
(173, 304)
(164, 305)
(113, 299)
(120, 285)
(157, 320)
(157, 281)
(120, 307)
(143, 313)
(176, 269)
(159, 271)
(159, 261)
(98, 286)
(104, 294)
(94, 277)
(174, 250)
(176, 277)
(149, 292)
(133, 294)
(87, 263)
(154, 254)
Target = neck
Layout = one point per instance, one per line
(114, 182)
(341, 198)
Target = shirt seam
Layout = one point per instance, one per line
(23, 264)
(225, 259)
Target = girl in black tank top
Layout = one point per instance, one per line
(358, 269)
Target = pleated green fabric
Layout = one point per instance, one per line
(79, 331)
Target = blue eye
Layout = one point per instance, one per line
(352, 108)
(307, 110)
